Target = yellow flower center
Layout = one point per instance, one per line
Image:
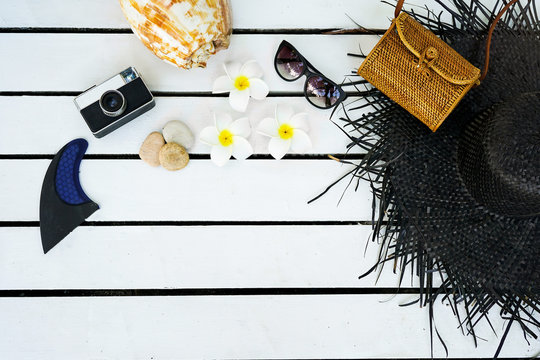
(226, 138)
(241, 83)
(285, 131)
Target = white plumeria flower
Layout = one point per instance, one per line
(227, 137)
(287, 131)
(241, 82)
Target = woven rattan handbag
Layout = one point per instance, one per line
(419, 71)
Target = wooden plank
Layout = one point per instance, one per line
(237, 327)
(59, 121)
(247, 14)
(255, 190)
(162, 257)
(74, 62)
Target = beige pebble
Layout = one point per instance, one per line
(149, 151)
(173, 156)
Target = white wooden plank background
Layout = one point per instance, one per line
(42, 67)
(230, 327)
(256, 190)
(23, 131)
(248, 14)
(114, 52)
(220, 256)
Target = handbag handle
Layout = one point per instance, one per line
(399, 5)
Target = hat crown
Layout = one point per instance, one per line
(498, 157)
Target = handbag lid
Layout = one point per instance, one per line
(448, 63)
(397, 11)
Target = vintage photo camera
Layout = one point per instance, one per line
(115, 102)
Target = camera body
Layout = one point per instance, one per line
(115, 102)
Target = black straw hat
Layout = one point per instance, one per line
(463, 203)
(499, 159)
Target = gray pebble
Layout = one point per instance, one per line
(177, 132)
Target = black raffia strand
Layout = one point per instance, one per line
(424, 218)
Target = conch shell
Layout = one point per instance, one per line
(182, 32)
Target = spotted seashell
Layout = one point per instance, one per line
(182, 32)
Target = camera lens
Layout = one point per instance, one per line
(112, 103)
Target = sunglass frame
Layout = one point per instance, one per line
(309, 74)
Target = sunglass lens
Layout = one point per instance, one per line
(322, 93)
(288, 63)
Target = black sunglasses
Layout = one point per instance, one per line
(320, 91)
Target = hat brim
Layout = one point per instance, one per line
(425, 217)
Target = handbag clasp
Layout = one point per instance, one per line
(427, 58)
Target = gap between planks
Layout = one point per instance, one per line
(154, 93)
(282, 31)
(200, 94)
(191, 157)
(201, 223)
(207, 292)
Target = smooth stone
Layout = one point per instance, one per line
(149, 151)
(173, 156)
(176, 131)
